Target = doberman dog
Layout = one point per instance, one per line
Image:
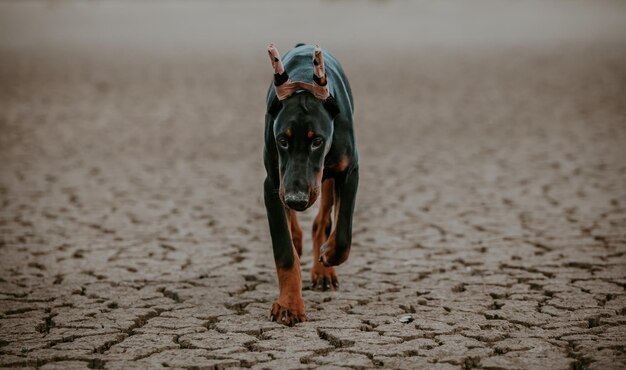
(309, 148)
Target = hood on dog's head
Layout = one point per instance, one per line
(284, 87)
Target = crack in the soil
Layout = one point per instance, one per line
(47, 324)
(170, 294)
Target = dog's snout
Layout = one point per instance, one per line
(297, 200)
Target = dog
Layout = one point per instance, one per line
(310, 149)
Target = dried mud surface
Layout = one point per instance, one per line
(492, 209)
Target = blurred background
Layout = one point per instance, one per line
(205, 27)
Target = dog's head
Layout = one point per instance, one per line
(303, 132)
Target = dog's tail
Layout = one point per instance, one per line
(299, 44)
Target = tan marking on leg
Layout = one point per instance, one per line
(289, 307)
(330, 255)
(343, 164)
(295, 230)
(323, 278)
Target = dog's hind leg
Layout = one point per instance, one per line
(337, 247)
(323, 278)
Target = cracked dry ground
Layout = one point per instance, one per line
(492, 209)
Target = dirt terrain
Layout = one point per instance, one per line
(492, 205)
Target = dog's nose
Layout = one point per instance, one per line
(297, 200)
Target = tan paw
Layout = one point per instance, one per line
(323, 278)
(287, 315)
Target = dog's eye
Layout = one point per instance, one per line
(282, 142)
(316, 143)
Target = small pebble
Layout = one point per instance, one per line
(406, 319)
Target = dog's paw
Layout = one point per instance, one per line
(323, 278)
(330, 257)
(287, 316)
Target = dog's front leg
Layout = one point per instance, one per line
(337, 248)
(289, 307)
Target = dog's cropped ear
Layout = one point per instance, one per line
(320, 85)
(274, 107)
(319, 70)
(280, 75)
